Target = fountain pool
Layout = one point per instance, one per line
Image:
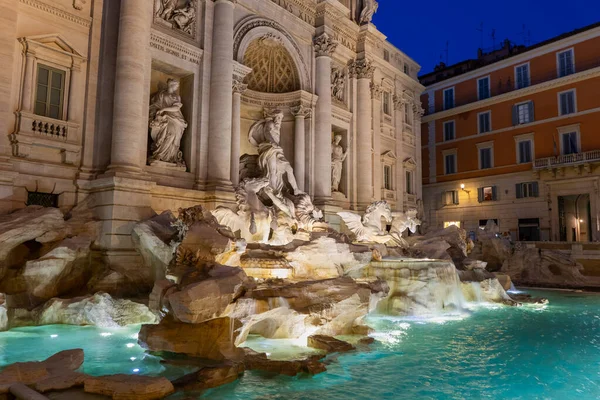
(494, 352)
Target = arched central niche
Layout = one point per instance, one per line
(273, 68)
(266, 47)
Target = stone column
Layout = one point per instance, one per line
(418, 114)
(376, 92)
(130, 116)
(399, 125)
(238, 89)
(301, 113)
(362, 70)
(220, 111)
(324, 48)
(28, 83)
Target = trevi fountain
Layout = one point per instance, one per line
(264, 297)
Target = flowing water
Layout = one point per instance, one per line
(493, 352)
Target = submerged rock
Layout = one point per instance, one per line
(211, 377)
(328, 343)
(259, 361)
(213, 339)
(99, 309)
(129, 387)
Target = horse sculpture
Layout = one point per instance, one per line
(368, 227)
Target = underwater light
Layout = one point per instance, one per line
(136, 370)
(133, 358)
(130, 345)
(106, 334)
(54, 336)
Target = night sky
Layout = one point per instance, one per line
(422, 28)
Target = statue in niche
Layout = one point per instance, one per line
(368, 10)
(167, 125)
(338, 81)
(338, 156)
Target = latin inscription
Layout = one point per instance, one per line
(304, 16)
(162, 45)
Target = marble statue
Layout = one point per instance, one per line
(369, 9)
(368, 227)
(252, 219)
(338, 156)
(404, 221)
(166, 127)
(167, 8)
(265, 134)
(338, 81)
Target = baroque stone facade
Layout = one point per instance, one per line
(142, 106)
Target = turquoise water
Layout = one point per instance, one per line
(106, 350)
(550, 352)
(530, 352)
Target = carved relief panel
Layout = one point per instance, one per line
(178, 15)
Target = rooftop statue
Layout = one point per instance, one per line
(369, 9)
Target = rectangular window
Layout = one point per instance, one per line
(483, 88)
(386, 55)
(386, 103)
(449, 133)
(387, 177)
(451, 223)
(570, 143)
(49, 94)
(484, 222)
(448, 98)
(409, 182)
(566, 102)
(525, 152)
(527, 189)
(406, 69)
(566, 63)
(450, 163)
(450, 197)
(487, 193)
(522, 76)
(407, 114)
(484, 122)
(523, 113)
(485, 158)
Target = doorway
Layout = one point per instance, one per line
(574, 218)
(529, 230)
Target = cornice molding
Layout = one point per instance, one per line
(40, 5)
(540, 87)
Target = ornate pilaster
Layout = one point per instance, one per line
(238, 88)
(399, 103)
(324, 47)
(300, 113)
(376, 91)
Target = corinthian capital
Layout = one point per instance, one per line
(324, 45)
(418, 110)
(238, 86)
(376, 91)
(361, 69)
(399, 102)
(301, 111)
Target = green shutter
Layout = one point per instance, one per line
(480, 194)
(494, 193)
(519, 190)
(536, 189)
(531, 114)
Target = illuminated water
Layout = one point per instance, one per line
(550, 352)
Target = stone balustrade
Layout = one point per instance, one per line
(567, 159)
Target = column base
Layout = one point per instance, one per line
(219, 186)
(7, 184)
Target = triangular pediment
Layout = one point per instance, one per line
(410, 162)
(389, 154)
(53, 41)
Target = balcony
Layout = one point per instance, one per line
(566, 160)
(46, 139)
(388, 195)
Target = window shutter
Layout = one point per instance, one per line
(444, 198)
(531, 115)
(519, 190)
(494, 193)
(515, 116)
(536, 189)
(455, 197)
(480, 194)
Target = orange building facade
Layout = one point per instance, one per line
(515, 137)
